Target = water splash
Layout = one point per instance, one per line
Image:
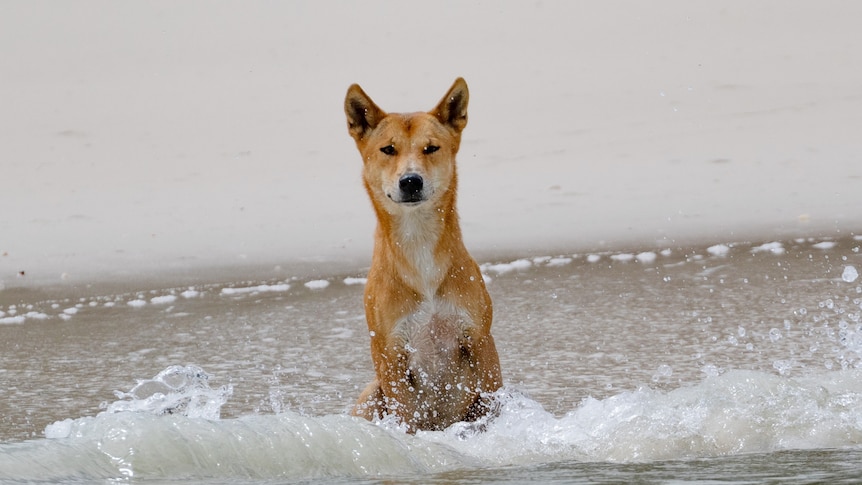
(177, 436)
(178, 389)
(733, 413)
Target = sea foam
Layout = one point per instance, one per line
(732, 413)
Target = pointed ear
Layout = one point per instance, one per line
(362, 114)
(452, 109)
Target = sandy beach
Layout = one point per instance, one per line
(168, 140)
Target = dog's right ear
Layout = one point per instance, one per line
(362, 114)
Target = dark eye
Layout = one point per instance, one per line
(388, 149)
(430, 149)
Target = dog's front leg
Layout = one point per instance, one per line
(398, 387)
(371, 403)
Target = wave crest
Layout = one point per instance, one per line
(733, 413)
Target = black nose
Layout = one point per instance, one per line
(411, 187)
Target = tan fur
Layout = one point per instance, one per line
(428, 312)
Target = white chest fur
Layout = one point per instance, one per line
(433, 335)
(419, 233)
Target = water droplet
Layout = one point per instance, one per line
(774, 334)
(782, 366)
(710, 370)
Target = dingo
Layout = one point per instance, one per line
(428, 312)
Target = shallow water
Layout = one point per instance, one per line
(738, 362)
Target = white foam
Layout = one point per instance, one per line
(503, 268)
(623, 257)
(169, 426)
(772, 247)
(190, 293)
(850, 274)
(163, 300)
(256, 289)
(718, 250)
(59, 429)
(137, 303)
(824, 245)
(349, 281)
(594, 258)
(646, 257)
(317, 284)
(561, 261)
(13, 320)
(735, 412)
(70, 311)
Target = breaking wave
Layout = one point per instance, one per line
(168, 428)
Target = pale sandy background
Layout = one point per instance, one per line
(158, 138)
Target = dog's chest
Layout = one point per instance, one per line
(418, 235)
(426, 274)
(433, 336)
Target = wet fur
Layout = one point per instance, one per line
(428, 312)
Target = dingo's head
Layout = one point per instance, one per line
(409, 158)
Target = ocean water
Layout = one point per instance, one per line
(733, 362)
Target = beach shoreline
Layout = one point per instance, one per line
(23, 291)
(147, 144)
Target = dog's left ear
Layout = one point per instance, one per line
(452, 109)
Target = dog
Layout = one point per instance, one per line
(428, 311)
